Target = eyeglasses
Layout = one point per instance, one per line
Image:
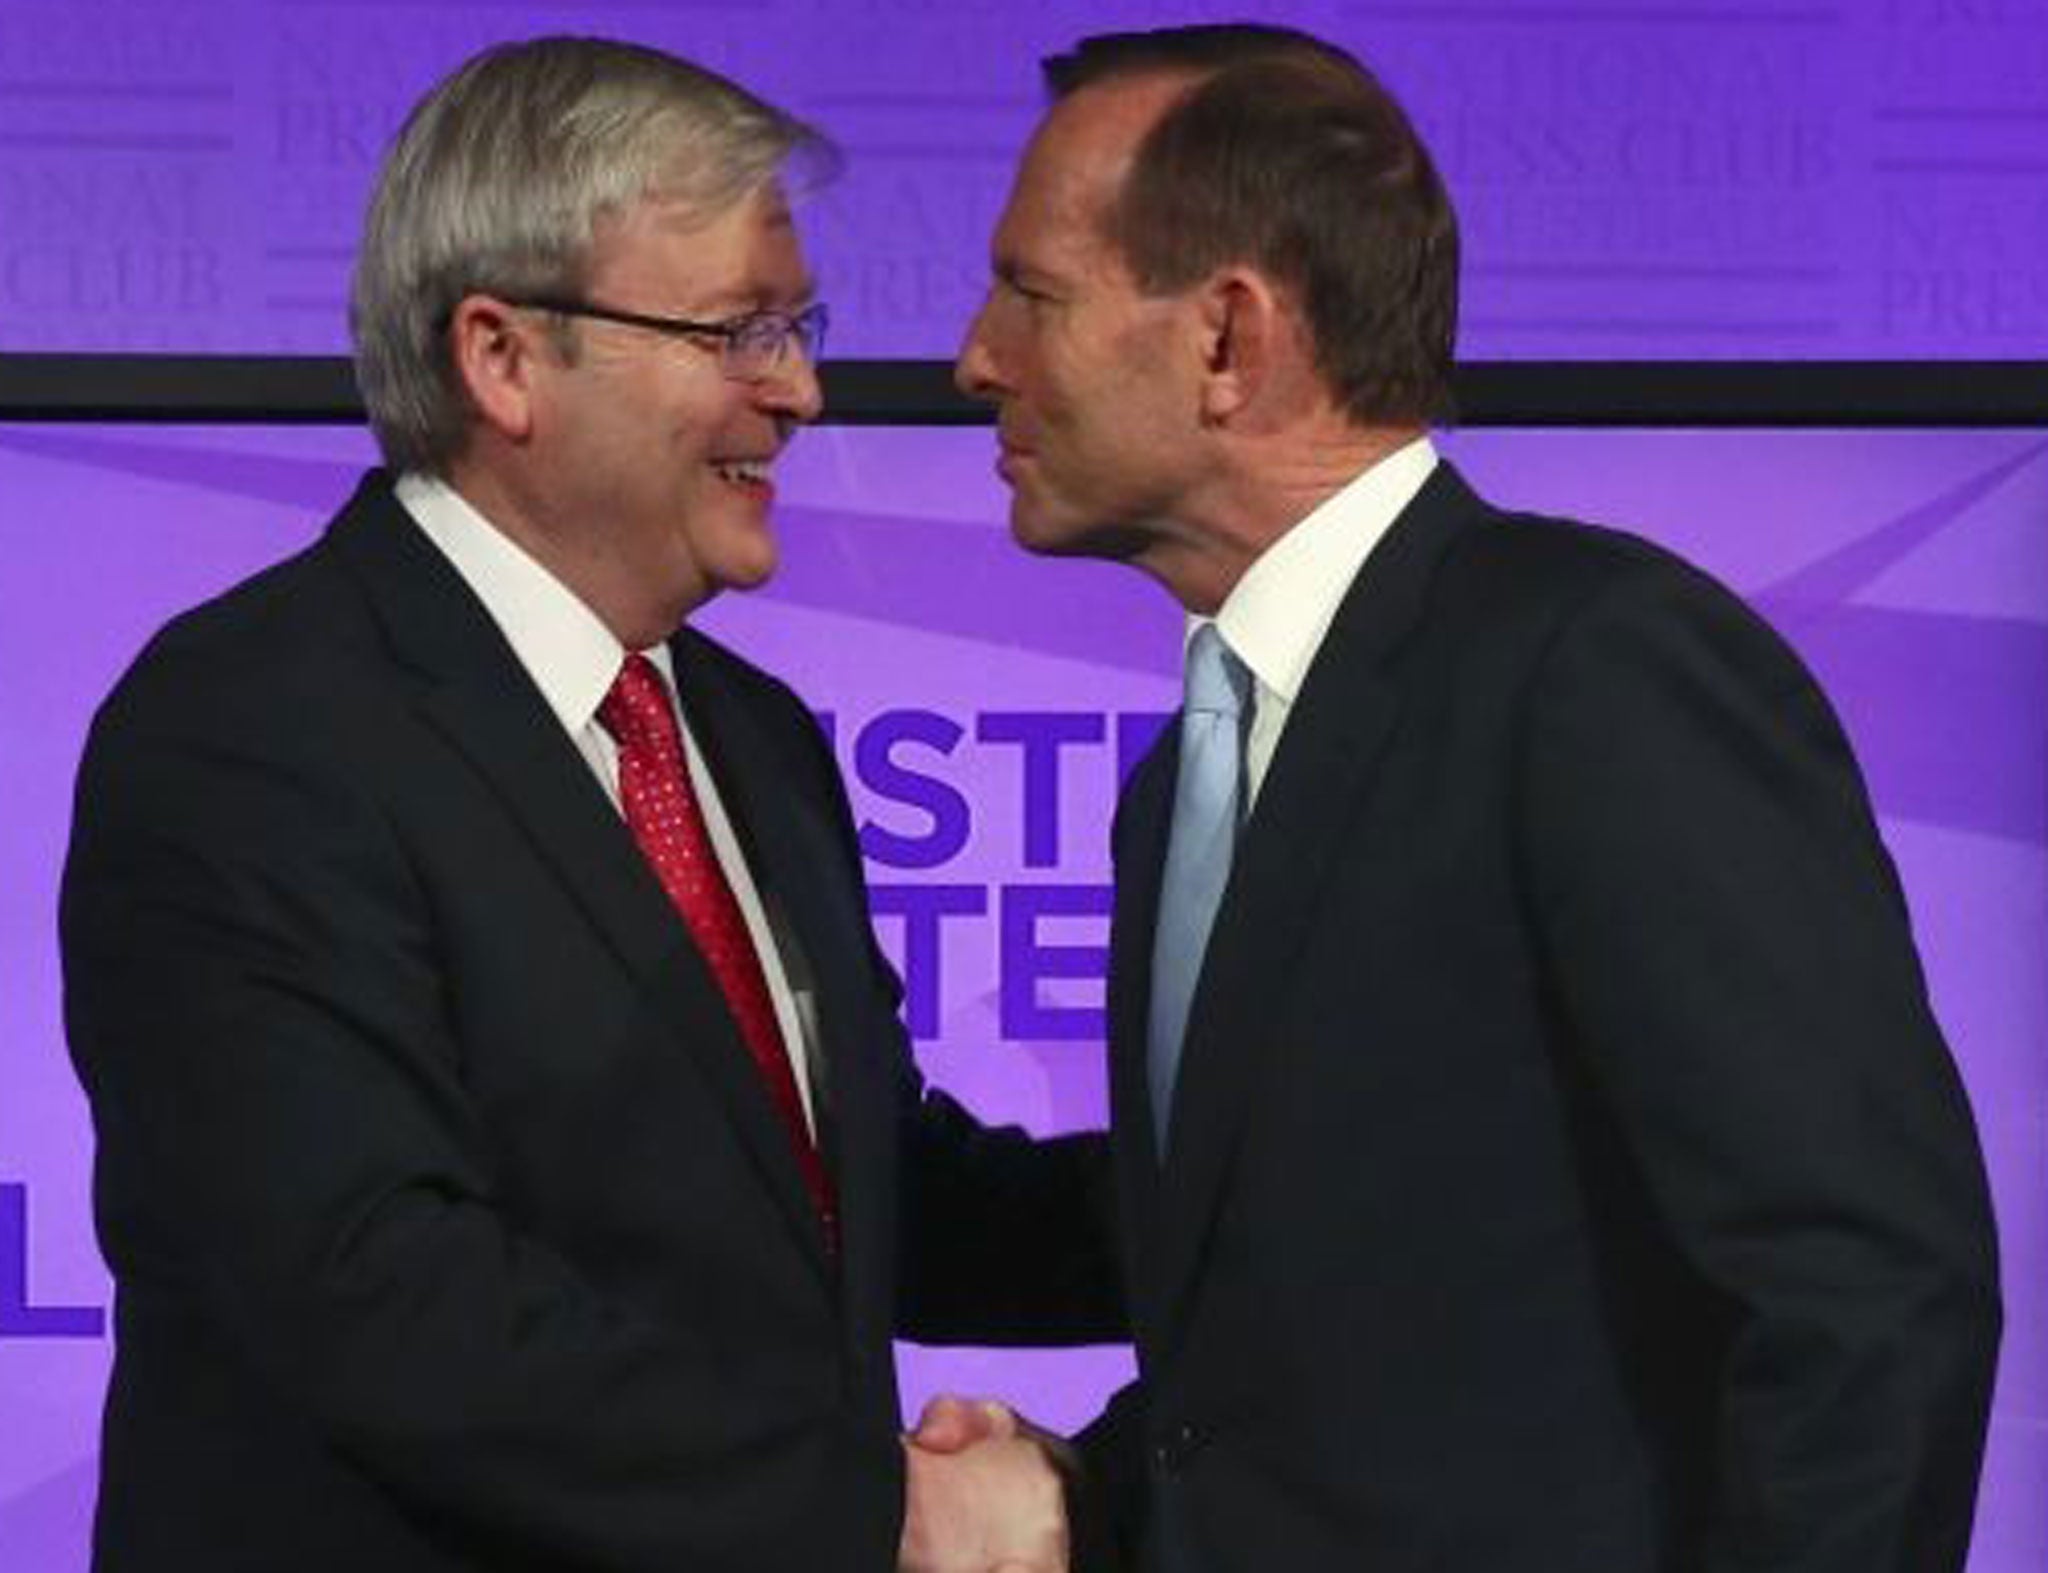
(752, 347)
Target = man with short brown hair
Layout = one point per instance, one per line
(1534, 1144)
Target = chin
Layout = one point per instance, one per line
(1033, 530)
(1058, 537)
(749, 570)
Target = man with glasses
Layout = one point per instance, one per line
(506, 1142)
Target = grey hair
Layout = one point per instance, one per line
(498, 182)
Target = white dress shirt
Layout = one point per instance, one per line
(573, 659)
(1275, 617)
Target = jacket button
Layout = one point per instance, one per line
(1176, 1449)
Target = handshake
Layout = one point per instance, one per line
(985, 1492)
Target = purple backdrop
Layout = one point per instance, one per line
(1639, 178)
(981, 726)
(1652, 178)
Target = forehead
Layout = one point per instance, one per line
(748, 249)
(1078, 158)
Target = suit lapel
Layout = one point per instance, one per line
(1142, 823)
(474, 692)
(799, 864)
(1318, 781)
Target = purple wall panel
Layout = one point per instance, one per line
(1638, 178)
(1908, 566)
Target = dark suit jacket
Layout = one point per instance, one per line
(453, 1227)
(1566, 1173)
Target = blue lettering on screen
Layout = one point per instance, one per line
(1028, 959)
(907, 767)
(876, 765)
(19, 1317)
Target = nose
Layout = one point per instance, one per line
(974, 369)
(792, 389)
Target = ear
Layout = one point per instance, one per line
(497, 353)
(1244, 336)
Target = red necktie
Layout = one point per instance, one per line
(662, 812)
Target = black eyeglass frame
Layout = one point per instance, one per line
(805, 328)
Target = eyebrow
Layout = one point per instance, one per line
(742, 302)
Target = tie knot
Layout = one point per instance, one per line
(636, 710)
(1217, 681)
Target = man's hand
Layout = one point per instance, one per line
(949, 1424)
(990, 1503)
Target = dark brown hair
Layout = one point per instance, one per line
(1288, 155)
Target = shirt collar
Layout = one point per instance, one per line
(1275, 617)
(565, 647)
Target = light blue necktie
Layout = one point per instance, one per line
(1206, 798)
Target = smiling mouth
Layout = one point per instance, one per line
(750, 475)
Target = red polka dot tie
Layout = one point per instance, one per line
(661, 810)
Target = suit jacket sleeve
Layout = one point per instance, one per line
(1106, 1506)
(1734, 964)
(1005, 1239)
(262, 1014)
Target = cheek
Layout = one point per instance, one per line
(699, 414)
(1115, 411)
(1069, 392)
